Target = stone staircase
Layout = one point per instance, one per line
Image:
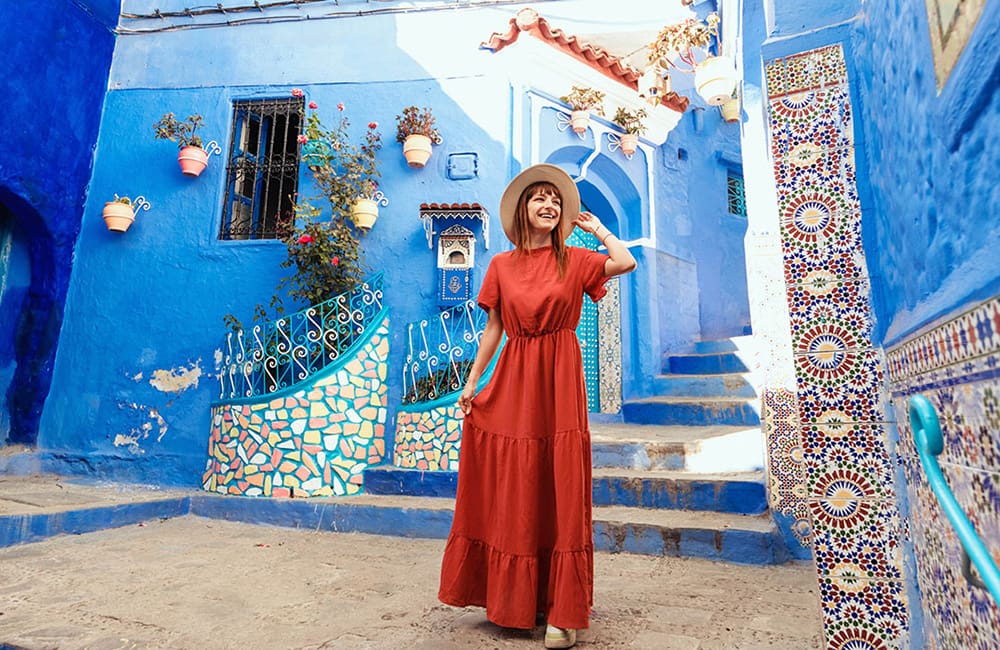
(681, 476)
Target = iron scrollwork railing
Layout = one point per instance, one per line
(281, 353)
(441, 351)
(930, 444)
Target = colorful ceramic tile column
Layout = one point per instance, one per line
(428, 439)
(313, 441)
(839, 376)
(956, 365)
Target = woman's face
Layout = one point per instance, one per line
(544, 211)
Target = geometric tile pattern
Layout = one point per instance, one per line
(314, 441)
(428, 440)
(609, 327)
(785, 470)
(956, 365)
(846, 474)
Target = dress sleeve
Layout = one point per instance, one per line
(489, 293)
(591, 270)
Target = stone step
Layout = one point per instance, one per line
(703, 449)
(730, 384)
(703, 364)
(733, 538)
(736, 493)
(741, 493)
(691, 411)
(715, 347)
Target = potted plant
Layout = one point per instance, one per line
(192, 157)
(675, 46)
(119, 214)
(731, 109)
(416, 132)
(583, 101)
(346, 173)
(631, 123)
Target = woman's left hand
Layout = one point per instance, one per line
(588, 222)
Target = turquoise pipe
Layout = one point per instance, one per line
(930, 444)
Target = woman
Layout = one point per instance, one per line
(521, 542)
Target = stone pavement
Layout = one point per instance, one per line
(192, 582)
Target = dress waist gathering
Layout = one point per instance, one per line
(540, 334)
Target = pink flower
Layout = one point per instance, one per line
(313, 105)
(340, 106)
(306, 239)
(297, 92)
(335, 261)
(303, 139)
(373, 125)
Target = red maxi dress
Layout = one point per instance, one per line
(521, 541)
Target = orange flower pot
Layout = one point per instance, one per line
(118, 217)
(629, 141)
(579, 121)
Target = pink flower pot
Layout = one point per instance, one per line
(629, 143)
(417, 150)
(118, 217)
(193, 160)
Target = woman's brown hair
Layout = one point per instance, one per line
(521, 224)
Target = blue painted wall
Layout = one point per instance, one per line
(57, 55)
(932, 235)
(135, 375)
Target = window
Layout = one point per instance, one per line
(263, 172)
(737, 197)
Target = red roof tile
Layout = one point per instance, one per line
(614, 67)
(450, 206)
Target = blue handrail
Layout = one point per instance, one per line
(930, 444)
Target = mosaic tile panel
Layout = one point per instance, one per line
(863, 614)
(429, 440)
(829, 312)
(856, 526)
(838, 385)
(311, 442)
(971, 334)
(855, 536)
(609, 333)
(817, 120)
(786, 474)
(955, 365)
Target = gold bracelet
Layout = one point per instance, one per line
(604, 241)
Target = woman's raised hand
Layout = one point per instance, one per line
(588, 222)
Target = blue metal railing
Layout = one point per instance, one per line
(281, 353)
(930, 444)
(441, 351)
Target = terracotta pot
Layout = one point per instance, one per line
(118, 217)
(629, 143)
(417, 150)
(579, 120)
(731, 110)
(364, 212)
(715, 79)
(193, 160)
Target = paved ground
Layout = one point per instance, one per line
(196, 583)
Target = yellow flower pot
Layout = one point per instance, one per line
(364, 212)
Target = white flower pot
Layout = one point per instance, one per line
(417, 150)
(364, 212)
(579, 120)
(715, 79)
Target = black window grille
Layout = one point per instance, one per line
(737, 197)
(263, 172)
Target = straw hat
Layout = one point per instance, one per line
(541, 172)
